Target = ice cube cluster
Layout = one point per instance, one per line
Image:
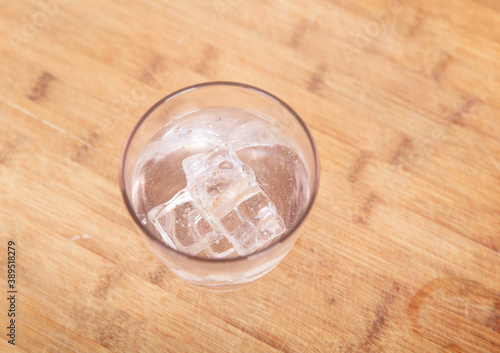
(222, 211)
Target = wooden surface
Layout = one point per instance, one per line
(401, 251)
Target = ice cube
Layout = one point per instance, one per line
(261, 212)
(220, 247)
(226, 189)
(218, 180)
(181, 225)
(253, 223)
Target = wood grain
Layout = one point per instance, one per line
(402, 250)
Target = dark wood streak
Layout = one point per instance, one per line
(106, 283)
(359, 163)
(452, 348)
(80, 153)
(366, 210)
(459, 115)
(438, 70)
(150, 75)
(381, 318)
(317, 79)
(9, 152)
(40, 88)
(94, 138)
(83, 149)
(6, 152)
(494, 320)
(402, 150)
(416, 26)
(266, 337)
(209, 55)
(157, 276)
(111, 335)
(298, 33)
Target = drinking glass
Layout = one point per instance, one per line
(220, 273)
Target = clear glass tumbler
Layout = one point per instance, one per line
(221, 273)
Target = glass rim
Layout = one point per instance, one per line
(259, 253)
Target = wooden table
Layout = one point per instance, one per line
(401, 252)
